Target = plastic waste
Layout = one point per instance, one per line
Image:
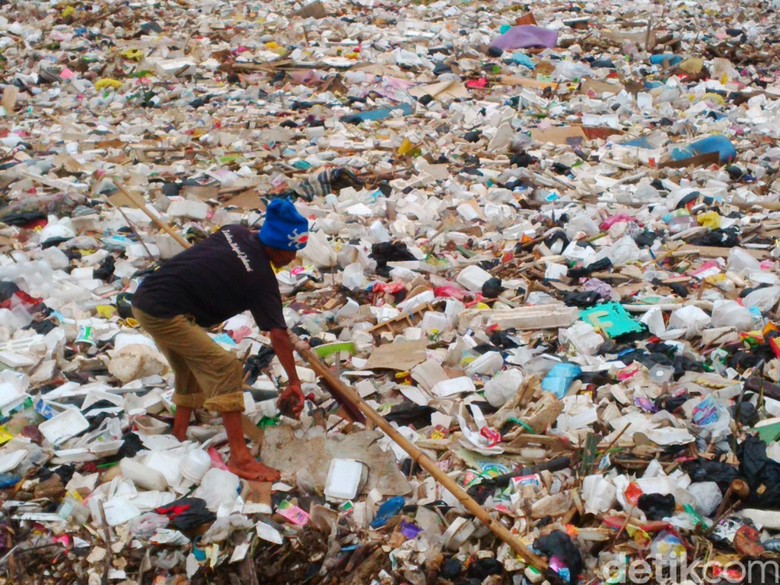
(194, 465)
(503, 387)
(386, 511)
(525, 36)
(713, 144)
(218, 488)
(377, 115)
(559, 378)
(564, 557)
(345, 479)
(707, 495)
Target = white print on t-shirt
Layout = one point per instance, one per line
(238, 251)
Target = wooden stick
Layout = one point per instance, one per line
(347, 394)
(132, 227)
(155, 220)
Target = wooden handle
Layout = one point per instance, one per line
(417, 456)
(155, 220)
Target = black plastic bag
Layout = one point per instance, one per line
(582, 300)
(558, 544)
(7, 290)
(187, 514)
(492, 288)
(705, 470)
(761, 473)
(657, 506)
(389, 252)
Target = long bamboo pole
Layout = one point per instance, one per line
(155, 220)
(347, 394)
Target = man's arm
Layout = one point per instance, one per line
(292, 397)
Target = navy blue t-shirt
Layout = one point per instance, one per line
(224, 275)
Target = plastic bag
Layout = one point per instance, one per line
(657, 506)
(563, 553)
(761, 473)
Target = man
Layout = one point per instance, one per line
(226, 274)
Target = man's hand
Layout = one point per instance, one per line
(291, 400)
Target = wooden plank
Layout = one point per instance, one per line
(718, 252)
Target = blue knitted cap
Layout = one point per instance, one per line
(284, 228)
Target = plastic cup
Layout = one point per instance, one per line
(86, 335)
(194, 465)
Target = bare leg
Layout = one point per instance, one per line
(181, 422)
(241, 461)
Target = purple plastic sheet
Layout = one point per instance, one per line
(525, 36)
(410, 531)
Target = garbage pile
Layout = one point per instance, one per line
(544, 245)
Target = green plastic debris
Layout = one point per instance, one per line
(268, 421)
(768, 433)
(328, 349)
(612, 319)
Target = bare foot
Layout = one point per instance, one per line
(253, 470)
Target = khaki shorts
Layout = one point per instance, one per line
(207, 376)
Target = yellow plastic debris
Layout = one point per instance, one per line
(692, 66)
(132, 54)
(713, 97)
(108, 82)
(68, 11)
(710, 219)
(5, 436)
(106, 311)
(405, 148)
(275, 47)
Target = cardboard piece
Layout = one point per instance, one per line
(397, 356)
(249, 200)
(599, 87)
(312, 10)
(599, 133)
(443, 90)
(526, 82)
(10, 95)
(526, 19)
(119, 199)
(257, 497)
(718, 252)
(561, 135)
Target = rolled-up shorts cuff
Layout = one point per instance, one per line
(231, 402)
(189, 400)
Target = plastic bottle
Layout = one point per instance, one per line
(665, 60)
